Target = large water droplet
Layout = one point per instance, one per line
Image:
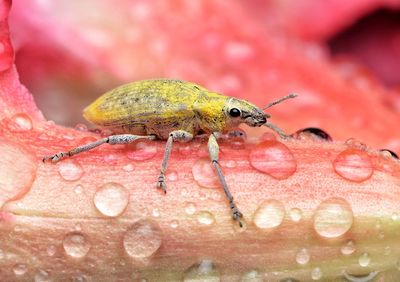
(76, 245)
(365, 278)
(42, 276)
(364, 259)
(20, 122)
(252, 276)
(111, 199)
(269, 214)
(348, 248)
(303, 256)
(273, 158)
(20, 269)
(205, 217)
(190, 208)
(142, 239)
(333, 218)
(353, 165)
(312, 132)
(204, 173)
(316, 273)
(17, 171)
(204, 271)
(70, 170)
(143, 151)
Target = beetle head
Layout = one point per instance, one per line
(240, 111)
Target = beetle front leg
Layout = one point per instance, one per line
(213, 150)
(177, 135)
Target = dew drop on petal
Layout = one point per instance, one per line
(174, 223)
(303, 256)
(273, 158)
(20, 122)
(316, 273)
(348, 248)
(204, 173)
(76, 245)
(128, 167)
(364, 259)
(78, 189)
(353, 165)
(155, 212)
(111, 199)
(70, 170)
(252, 276)
(269, 214)
(388, 154)
(172, 176)
(190, 208)
(204, 271)
(295, 214)
(333, 218)
(142, 151)
(81, 127)
(365, 278)
(205, 218)
(142, 239)
(312, 133)
(20, 269)
(42, 276)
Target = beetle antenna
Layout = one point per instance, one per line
(292, 95)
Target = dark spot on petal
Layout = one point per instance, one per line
(393, 154)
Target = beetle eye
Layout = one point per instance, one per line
(234, 112)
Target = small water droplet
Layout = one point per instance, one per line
(142, 151)
(289, 279)
(81, 127)
(128, 167)
(316, 273)
(111, 199)
(172, 176)
(78, 189)
(20, 122)
(303, 256)
(295, 214)
(364, 259)
(364, 278)
(205, 217)
(42, 276)
(110, 158)
(190, 208)
(204, 271)
(333, 218)
(51, 250)
(155, 212)
(20, 269)
(395, 216)
(76, 245)
(142, 239)
(174, 223)
(273, 158)
(252, 276)
(312, 132)
(355, 144)
(389, 154)
(204, 174)
(269, 214)
(229, 164)
(70, 170)
(353, 165)
(348, 248)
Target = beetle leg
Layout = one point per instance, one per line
(112, 140)
(275, 128)
(177, 135)
(213, 150)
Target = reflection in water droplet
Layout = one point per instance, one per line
(353, 165)
(204, 174)
(76, 245)
(143, 151)
(316, 273)
(364, 259)
(111, 199)
(252, 276)
(295, 214)
(42, 276)
(303, 256)
(312, 132)
(20, 122)
(204, 271)
(142, 239)
(190, 208)
(273, 158)
(348, 248)
(365, 278)
(20, 269)
(269, 214)
(333, 218)
(205, 217)
(70, 170)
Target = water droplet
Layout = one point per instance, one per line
(273, 158)
(204, 271)
(42, 276)
(289, 279)
(333, 218)
(76, 245)
(204, 174)
(229, 164)
(70, 170)
(252, 276)
(365, 278)
(20, 123)
(155, 212)
(389, 153)
(295, 214)
(17, 171)
(353, 165)
(128, 167)
(142, 151)
(355, 144)
(51, 250)
(312, 132)
(174, 223)
(142, 239)
(78, 189)
(20, 269)
(111, 199)
(348, 248)
(316, 273)
(205, 217)
(395, 216)
(81, 127)
(364, 259)
(269, 214)
(190, 208)
(110, 158)
(303, 256)
(172, 176)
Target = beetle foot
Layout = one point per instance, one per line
(161, 183)
(237, 215)
(54, 158)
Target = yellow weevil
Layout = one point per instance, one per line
(171, 110)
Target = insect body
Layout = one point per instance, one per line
(172, 110)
